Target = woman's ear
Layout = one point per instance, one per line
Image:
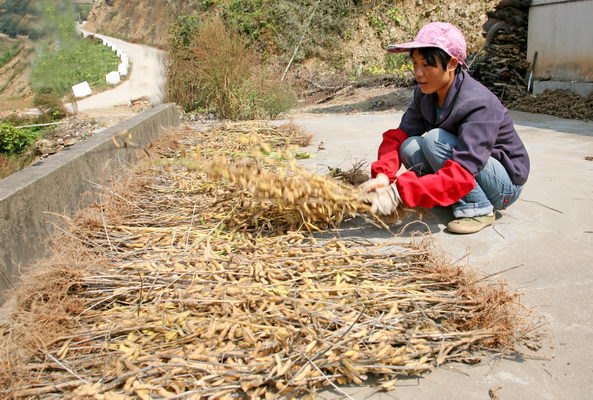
(452, 64)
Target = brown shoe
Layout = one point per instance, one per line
(471, 224)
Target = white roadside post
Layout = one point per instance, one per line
(122, 69)
(113, 78)
(82, 90)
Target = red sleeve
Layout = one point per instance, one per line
(443, 188)
(388, 159)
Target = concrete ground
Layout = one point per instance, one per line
(548, 234)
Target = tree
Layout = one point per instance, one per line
(17, 18)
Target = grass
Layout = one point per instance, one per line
(7, 53)
(59, 68)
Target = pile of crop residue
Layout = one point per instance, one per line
(178, 285)
(561, 103)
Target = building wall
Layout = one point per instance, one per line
(562, 34)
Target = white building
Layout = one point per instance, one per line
(561, 32)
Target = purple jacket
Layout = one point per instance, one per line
(482, 123)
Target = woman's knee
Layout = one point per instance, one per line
(438, 137)
(437, 146)
(409, 150)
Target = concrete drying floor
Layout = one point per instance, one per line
(548, 233)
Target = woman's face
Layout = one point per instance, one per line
(433, 79)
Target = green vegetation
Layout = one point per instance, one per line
(383, 16)
(13, 141)
(82, 11)
(397, 64)
(65, 58)
(17, 148)
(52, 108)
(17, 145)
(59, 68)
(8, 51)
(277, 26)
(212, 69)
(17, 17)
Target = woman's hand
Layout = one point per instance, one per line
(380, 181)
(383, 197)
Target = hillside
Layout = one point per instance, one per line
(15, 91)
(347, 35)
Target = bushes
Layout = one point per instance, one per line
(13, 141)
(16, 148)
(276, 26)
(17, 17)
(52, 108)
(212, 69)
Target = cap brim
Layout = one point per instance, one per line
(402, 47)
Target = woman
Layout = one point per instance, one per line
(456, 139)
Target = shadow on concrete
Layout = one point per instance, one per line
(370, 388)
(397, 99)
(550, 122)
(412, 223)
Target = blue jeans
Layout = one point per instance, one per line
(494, 190)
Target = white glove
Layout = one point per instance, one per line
(383, 197)
(384, 201)
(380, 181)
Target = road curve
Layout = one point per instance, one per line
(146, 78)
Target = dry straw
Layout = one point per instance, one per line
(190, 296)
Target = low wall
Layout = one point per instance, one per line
(57, 183)
(580, 88)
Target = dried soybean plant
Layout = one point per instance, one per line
(297, 195)
(189, 298)
(260, 164)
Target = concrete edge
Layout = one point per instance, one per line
(56, 185)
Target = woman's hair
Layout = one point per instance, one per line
(432, 54)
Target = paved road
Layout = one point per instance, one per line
(549, 233)
(146, 78)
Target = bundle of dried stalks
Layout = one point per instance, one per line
(178, 303)
(298, 196)
(258, 166)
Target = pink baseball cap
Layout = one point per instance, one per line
(437, 34)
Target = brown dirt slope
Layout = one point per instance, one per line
(15, 91)
(142, 21)
(380, 24)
